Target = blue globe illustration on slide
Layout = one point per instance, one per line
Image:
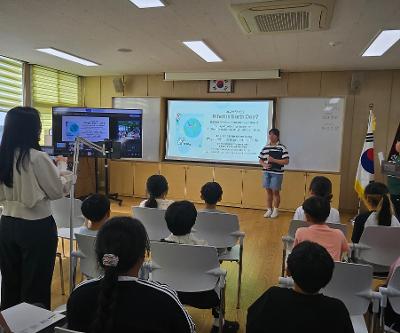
(192, 128)
(73, 128)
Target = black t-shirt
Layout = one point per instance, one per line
(284, 310)
(142, 307)
(359, 224)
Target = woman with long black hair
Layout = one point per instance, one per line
(28, 234)
(119, 301)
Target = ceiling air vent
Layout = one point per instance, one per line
(284, 16)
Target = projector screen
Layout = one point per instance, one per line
(218, 131)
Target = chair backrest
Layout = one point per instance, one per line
(383, 245)
(63, 330)
(153, 220)
(394, 288)
(218, 229)
(88, 264)
(296, 224)
(351, 283)
(61, 212)
(184, 267)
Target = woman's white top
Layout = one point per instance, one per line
(38, 182)
(161, 203)
(372, 220)
(333, 217)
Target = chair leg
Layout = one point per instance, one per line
(222, 310)
(61, 273)
(62, 246)
(283, 261)
(74, 264)
(240, 276)
(239, 291)
(372, 322)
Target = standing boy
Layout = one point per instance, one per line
(272, 158)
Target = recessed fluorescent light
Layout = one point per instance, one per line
(148, 3)
(201, 48)
(383, 42)
(67, 56)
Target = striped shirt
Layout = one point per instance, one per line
(277, 151)
(141, 306)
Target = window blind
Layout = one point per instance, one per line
(50, 88)
(11, 91)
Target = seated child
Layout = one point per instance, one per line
(180, 217)
(119, 301)
(157, 190)
(96, 210)
(376, 198)
(317, 211)
(303, 308)
(320, 187)
(211, 193)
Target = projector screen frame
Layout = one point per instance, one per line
(191, 161)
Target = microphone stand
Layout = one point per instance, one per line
(101, 149)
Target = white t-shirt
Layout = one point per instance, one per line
(188, 239)
(86, 231)
(161, 203)
(333, 217)
(372, 220)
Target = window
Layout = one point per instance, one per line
(11, 92)
(53, 88)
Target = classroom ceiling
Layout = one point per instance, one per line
(96, 29)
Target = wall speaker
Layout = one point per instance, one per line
(355, 83)
(118, 85)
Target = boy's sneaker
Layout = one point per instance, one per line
(268, 213)
(275, 213)
(229, 327)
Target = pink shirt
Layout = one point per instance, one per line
(332, 240)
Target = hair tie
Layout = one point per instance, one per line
(110, 260)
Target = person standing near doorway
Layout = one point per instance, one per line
(273, 157)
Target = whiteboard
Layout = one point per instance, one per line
(151, 107)
(312, 130)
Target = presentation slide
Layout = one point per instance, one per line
(218, 131)
(94, 129)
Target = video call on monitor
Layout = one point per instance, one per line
(96, 125)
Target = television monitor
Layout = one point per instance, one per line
(218, 131)
(96, 125)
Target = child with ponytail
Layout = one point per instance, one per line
(321, 187)
(376, 198)
(157, 190)
(119, 301)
